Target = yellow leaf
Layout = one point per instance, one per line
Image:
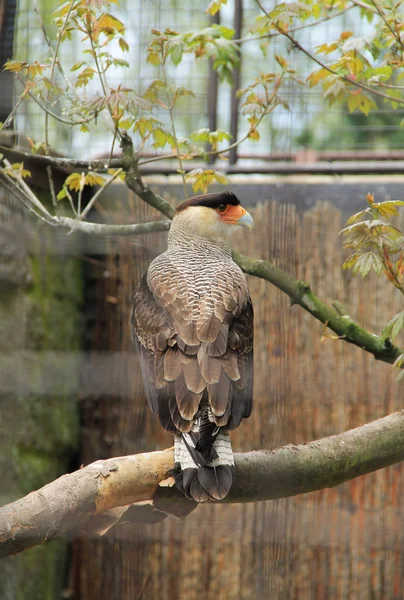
(281, 61)
(107, 22)
(350, 262)
(317, 76)
(73, 182)
(215, 6)
(15, 65)
(153, 57)
(93, 179)
(254, 135)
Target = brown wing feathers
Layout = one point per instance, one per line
(182, 356)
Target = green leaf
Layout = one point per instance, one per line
(394, 326)
(120, 62)
(78, 65)
(123, 44)
(162, 137)
(176, 52)
(368, 262)
(62, 194)
(200, 135)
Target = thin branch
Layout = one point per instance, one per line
(27, 191)
(345, 78)
(48, 42)
(99, 192)
(14, 189)
(71, 202)
(210, 152)
(70, 501)
(54, 115)
(389, 27)
(55, 58)
(360, 4)
(52, 188)
(11, 115)
(74, 225)
(79, 195)
(177, 146)
(273, 34)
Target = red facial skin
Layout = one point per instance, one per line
(232, 214)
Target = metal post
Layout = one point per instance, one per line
(213, 88)
(238, 21)
(8, 10)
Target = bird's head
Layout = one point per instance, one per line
(213, 216)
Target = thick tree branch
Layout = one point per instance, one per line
(95, 165)
(134, 180)
(70, 501)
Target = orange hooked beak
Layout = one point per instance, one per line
(237, 215)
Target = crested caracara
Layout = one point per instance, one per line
(193, 327)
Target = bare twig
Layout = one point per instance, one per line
(52, 188)
(11, 115)
(27, 191)
(14, 189)
(71, 202)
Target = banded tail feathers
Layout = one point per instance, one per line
(203, 475)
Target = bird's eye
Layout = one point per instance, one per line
(222, 208)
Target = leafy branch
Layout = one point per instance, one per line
(298, 291)
(350, 70)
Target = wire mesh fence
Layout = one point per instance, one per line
(308, 123)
